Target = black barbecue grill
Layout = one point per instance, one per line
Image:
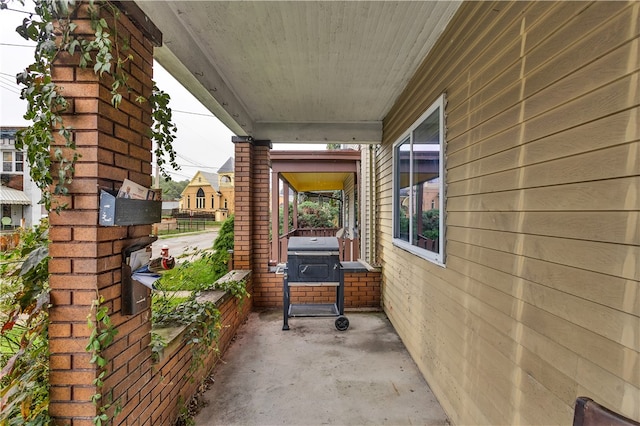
(314, 261)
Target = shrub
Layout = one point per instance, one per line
(24, 345)
(219, 259)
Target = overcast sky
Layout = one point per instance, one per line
(198, 130)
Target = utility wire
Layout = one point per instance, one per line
(193, 113)
(18, 45)
(9, 80)
(196, 167)
(5, 86)
(26, 12)
(192, 161)
(179, 174)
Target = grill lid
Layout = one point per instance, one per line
(312, 244)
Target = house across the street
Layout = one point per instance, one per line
(210, 193)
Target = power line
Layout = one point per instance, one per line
(31, 46)
(26, 12)
(178, 174)
(9, 80)
(193, 113)
(197, 167)
(192, 161)
(5, 86)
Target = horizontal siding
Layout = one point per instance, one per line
(539, 301)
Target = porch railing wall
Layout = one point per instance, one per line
(349, 248)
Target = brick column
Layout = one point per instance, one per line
(243, 195)
(85, 257)
(261, 172)
(251, 232)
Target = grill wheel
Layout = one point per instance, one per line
(342, 323)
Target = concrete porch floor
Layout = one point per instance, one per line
(316, 375)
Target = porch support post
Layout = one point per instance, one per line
(86, 258)
(285, 208)
(295, 210)
(275, 216)
(251, 226)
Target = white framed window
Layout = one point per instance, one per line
(19, 163)
(7, 161)
(13, 161)
(418, 186)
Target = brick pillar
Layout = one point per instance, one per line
(261, 173)
(251, 231)
(243, 192)
(85, 257)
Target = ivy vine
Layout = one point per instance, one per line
(102, 334)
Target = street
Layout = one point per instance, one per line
(185, 243)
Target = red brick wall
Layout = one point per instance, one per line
(171, 384)
(12, 181)
(86, 258)
(243, 192)
(361, 290)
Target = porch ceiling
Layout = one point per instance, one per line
(316, 170)
(304, 72)
(309, 182)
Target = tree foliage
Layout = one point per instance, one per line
(24, 345)
(312, 214)
(222, 245)
(315, 215)
(172, 189)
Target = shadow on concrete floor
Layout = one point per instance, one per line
(316, 375)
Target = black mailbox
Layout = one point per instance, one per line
(116, 211)
(136, 297)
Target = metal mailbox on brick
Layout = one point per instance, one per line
(314, 262)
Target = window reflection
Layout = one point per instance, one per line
(403, 170)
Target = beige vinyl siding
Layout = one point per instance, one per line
(367, 205)
(539, 300)
(349, 189)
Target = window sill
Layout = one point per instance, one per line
(432, 257)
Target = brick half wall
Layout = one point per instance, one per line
(361, 290)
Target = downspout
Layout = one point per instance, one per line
(372, 206)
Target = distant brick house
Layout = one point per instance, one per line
(211, 192)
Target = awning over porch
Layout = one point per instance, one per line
(306, 171)
(13, 196)
(315, 170)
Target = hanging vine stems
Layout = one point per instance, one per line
(102, 334)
